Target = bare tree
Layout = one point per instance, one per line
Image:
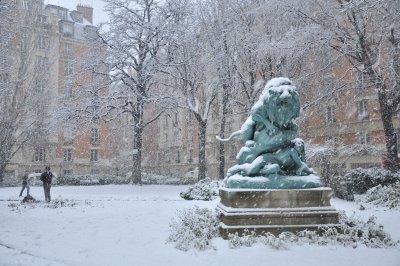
(263, 49)
(218, 22)
(366, 34)
(134, 37)
(248, 51)
(190, 70)
(24, 81)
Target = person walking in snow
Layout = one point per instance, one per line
(46, 178)
(25, 184)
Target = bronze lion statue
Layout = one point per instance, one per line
(269, 133)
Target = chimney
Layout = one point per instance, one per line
(87, 12)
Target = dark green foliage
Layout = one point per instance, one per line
(364, 179)
(360, 180)
(88, 180)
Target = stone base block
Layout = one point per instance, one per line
(275, 211)
(275, 198)
(273, 182)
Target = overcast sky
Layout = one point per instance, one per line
(98, 13)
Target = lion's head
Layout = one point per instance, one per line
(281, 102)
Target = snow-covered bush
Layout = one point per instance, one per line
(194, 228)
(203, 190)
(353, 231)
(249, 238)
(364, 179)
(388, 196)
(60, 202)
(369, 233)
(154, 179)
(56, 203)
(88, 180)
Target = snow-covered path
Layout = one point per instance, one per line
(128, 225)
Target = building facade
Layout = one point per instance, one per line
(62, 39)
(349, 123)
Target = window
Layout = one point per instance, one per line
(362, 80)
(67, 29)
(90, 32)
(42, 19)
(362, 109)
(4, 36)
(67, 90)
(364, 138)
(68, 68)
(166, 137)
(25, 36)
(25, 4)
(39, 154)
(42, 63)
(190, 156)
(190, 117)
(94, 155)
(62, 13)
(41, 85)
(4, 62)
(67, 49)
(232, 152)
(229, 125)
(176, 118)
(43, 42)
(178, 157)
(214, 113)
(166, 122)
(167, 157)
(68, 133)
(331, 114)
(4, 78)
(68, 155)
(190, 137)
(95, 137)
(96, 115)
(96, 119)
(76, 16)
(94, 51)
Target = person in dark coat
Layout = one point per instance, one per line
(25, 184)
(46, 178)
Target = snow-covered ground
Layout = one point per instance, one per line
(129, 225)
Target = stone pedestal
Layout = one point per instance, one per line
(275, 210)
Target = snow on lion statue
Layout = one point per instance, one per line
(270, 134)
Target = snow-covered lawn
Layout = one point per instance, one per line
(129, 225)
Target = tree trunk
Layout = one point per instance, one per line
(390, 136)
(202, 149)
(2, 172)
(137, 156)
(221, 168)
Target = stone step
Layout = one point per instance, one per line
(278, 216)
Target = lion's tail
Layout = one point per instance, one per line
(234, 134)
